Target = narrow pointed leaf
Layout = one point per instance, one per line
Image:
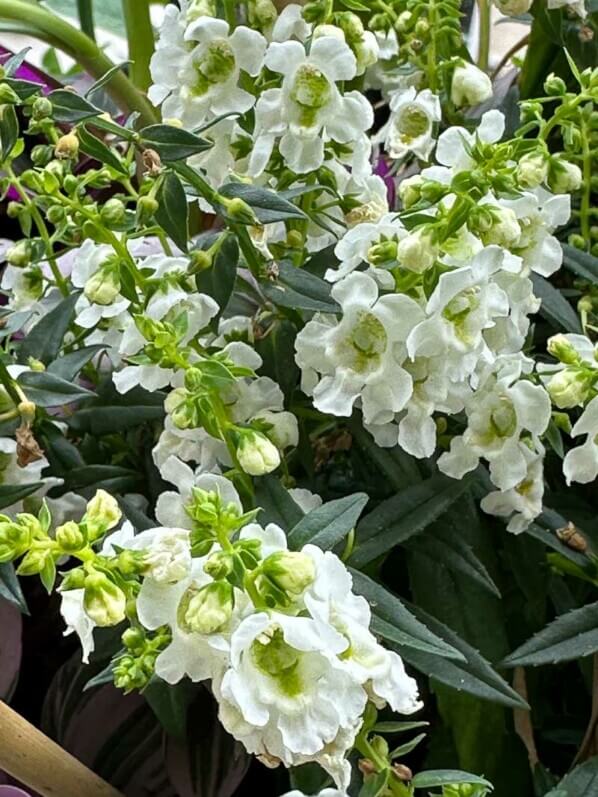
(327, 525)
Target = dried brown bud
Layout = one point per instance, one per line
(586, 34)
(366, 767)
(28, 449)
(152, 162)
(402, 772)
(572, 538)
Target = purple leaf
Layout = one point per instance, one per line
(10, 647)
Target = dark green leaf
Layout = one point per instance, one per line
(327, 525)
(581, 782)
(580, 263)
(397, 467)
(218, 281)
(398, 727)
(277, 350)
(297, 289)
(68, 366)
(105, 676)
(43, 342)
(12, 493)
(404, 515)
(555, 308)
(173, 143)
(173, 212)
(96, 149)
(170, 704)
(276, 503)
(99, 84)
(106, 420)
(10, 589)
(68, 106)
(24, 88)
(268, 206)
(473, 675)
(111, 478)
(446, 777)
(396, 621)
(9, 130)
(570, 636)
(47, 390)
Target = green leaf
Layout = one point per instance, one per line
(570, 636)
(297, 289)
(96, 149)
(173, 143)
(276, 503)
(473, 674)
(398, 727)
(45, 339)
(68, 366)
(447, 777)
(404, 515)
(268, 206)
(11, 64)
(111, 478)
(99, 84)
(327, 525)
(24, 88)
(555, 308)
(446, 548)
(277, 350)
(398, 467)
(9, 130)
(375, 784)
(580, 263)
(10, 589)
(47, 390)
(218, 281)
(395, 622)
(173, 211)
(170, 704)
(68, 106)
(12, 493)
(581, 782)
(405, 749)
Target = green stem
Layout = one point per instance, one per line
(431, 66)
(586, 195)
(85, 9)
(68, 38)
(485, 27)
(230, 13)
(140, 37)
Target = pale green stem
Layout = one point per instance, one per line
(60, 33)
(140, 37)
(485, 27)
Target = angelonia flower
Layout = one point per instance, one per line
(470, 86)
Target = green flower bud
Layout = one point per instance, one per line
(146, 207)
(262, 14)
(199, 260)
(318, 11)
(563, 350)
(219, 565)
(41, 108)
(206, 610)
(103, 601)
(134, 639)
(56, 214)
(8, 96)
(74, 579)
(577, 240)
(290, 571)
(503, 230)
(410, 190)
(568, 389)
(15, 539)
(404, 21)
(41, 155)
(67, 147)
(70, 537)
(240, 212)
(13, 209)
(19, 255)
(36, 559)
(257, 454)
(383, 253)
(555, 86)
(113, 213)
(131, 563)
(351, 26)
(532, 170)
(103, 514)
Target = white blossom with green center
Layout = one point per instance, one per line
(197, 68)
(361, 355)
(308, 109)
(411, 125)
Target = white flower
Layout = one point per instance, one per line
(290, 24)
(283, 428)
(308, 109)
(522, 503)
(361, 355)
(77, 620)
(564, 177)
(581, 463)
(305, 499)
(323, 793)
(284, 695)
(411, 124)
(453, 144)
(470, 86)
(196, 68)
(368, 242)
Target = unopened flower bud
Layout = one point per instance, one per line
(67, 147)
(41, 155)
(282, 428)
(219, 565)
(416, 252)
(114, 212)
(133, 638)
(206, 610)
(103, 514)
(146, 207)
(199, 260)
(328, 31)
(382, 253)
(104, 286)
(74, 579)
(240, 212)
(8, 96)
(504, 229)
(36, 559)
(15, 539)
(104, 602)
(257, 455)
(19, 255)
(290, 571)
(562, 348)
(470, 86)
(410, 190)
(41, 108)
(555, 86)
(513, 8)
(262, 14)
(70, 537)
(564, 177)
(568, 389)
(532, 170)
(318, 11)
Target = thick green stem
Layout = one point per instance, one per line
(60, 33)
(485, 26)
(586, 189)
(140, 36)
(85, 9)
